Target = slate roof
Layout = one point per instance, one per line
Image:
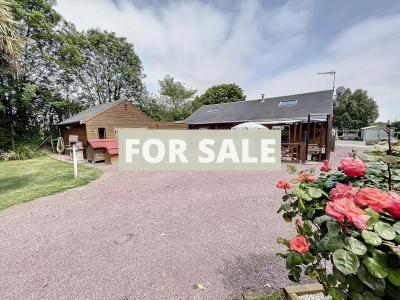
(83, 116)
(266, 110)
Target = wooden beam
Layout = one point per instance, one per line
(314, 130)
(328, 138)
(307, 134)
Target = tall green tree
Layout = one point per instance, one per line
(354, 110)
(220, 94)
(177, 93)
(10, 41)
(103, 67)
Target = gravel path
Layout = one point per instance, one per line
(147, 235)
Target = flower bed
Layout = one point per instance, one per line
(349, 219)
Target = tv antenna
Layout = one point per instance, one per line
(332, 73)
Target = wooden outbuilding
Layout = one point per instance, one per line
(304, 119)
(102, 150)
(102, 122)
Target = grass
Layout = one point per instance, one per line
(24, 180)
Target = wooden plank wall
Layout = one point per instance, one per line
(171, 125)
(122, 115)
(79, 130)
(317, 132)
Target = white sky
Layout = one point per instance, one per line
(265, 47)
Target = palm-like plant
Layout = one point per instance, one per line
(10, 41)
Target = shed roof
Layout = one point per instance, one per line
(83, 116)
(111, 145)
(286, 108)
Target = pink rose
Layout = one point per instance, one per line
(343, 208)
(353, 167)
(326, 166)
(373, 198)
(283, 184)
(299, 244)
(304, 176)
(343, 190)
(298, 222)
(394, 207)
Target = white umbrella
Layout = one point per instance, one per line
(249, 125)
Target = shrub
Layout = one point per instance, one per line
(21, 152)
(349, 217)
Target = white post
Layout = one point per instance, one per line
(75, 159)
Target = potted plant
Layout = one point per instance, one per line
(348, 225)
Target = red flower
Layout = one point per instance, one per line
(299, 244)
(343, 191)
(304, 176)
(326, 167)
(394, 207)
(373, 198)
(343, 208)
(283, 184)
(353, 167)
(298, 222)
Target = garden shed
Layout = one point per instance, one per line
(375, 133)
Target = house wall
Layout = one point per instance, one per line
(79, 130)
(122, 115)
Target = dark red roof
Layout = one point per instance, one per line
(111, 145)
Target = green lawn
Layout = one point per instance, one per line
(25, 180)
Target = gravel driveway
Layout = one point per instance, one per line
(147, 235)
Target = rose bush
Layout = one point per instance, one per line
(349, 217)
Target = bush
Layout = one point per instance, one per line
(349, 217)
(21, 152)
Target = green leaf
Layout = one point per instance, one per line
(371, 238)
(379, 256)
(384, 230)
(355, 246)
(300, 205)
(333, 228)
(285, 207)
(396, 227)
(331, 243)
(378, 285)
(368, 295)
(307, 257)
(355, 284)
(293, 259)
(356, 296)
(374, 216)
(314, 193)
(306, 197)
(294, 275)
(322, 219)
(374, 268)
(394, 276)
(345, 261)
(391, 159)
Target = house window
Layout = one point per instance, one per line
(102, 132)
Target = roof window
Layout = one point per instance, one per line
(214, 109)
(292, 102)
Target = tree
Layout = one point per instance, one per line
(354, 110)
(220, 94)
(104, 67)
(10, 41)
(177, 93)
(172, 104)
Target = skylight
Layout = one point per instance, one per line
(214, 109)
(292, 102)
